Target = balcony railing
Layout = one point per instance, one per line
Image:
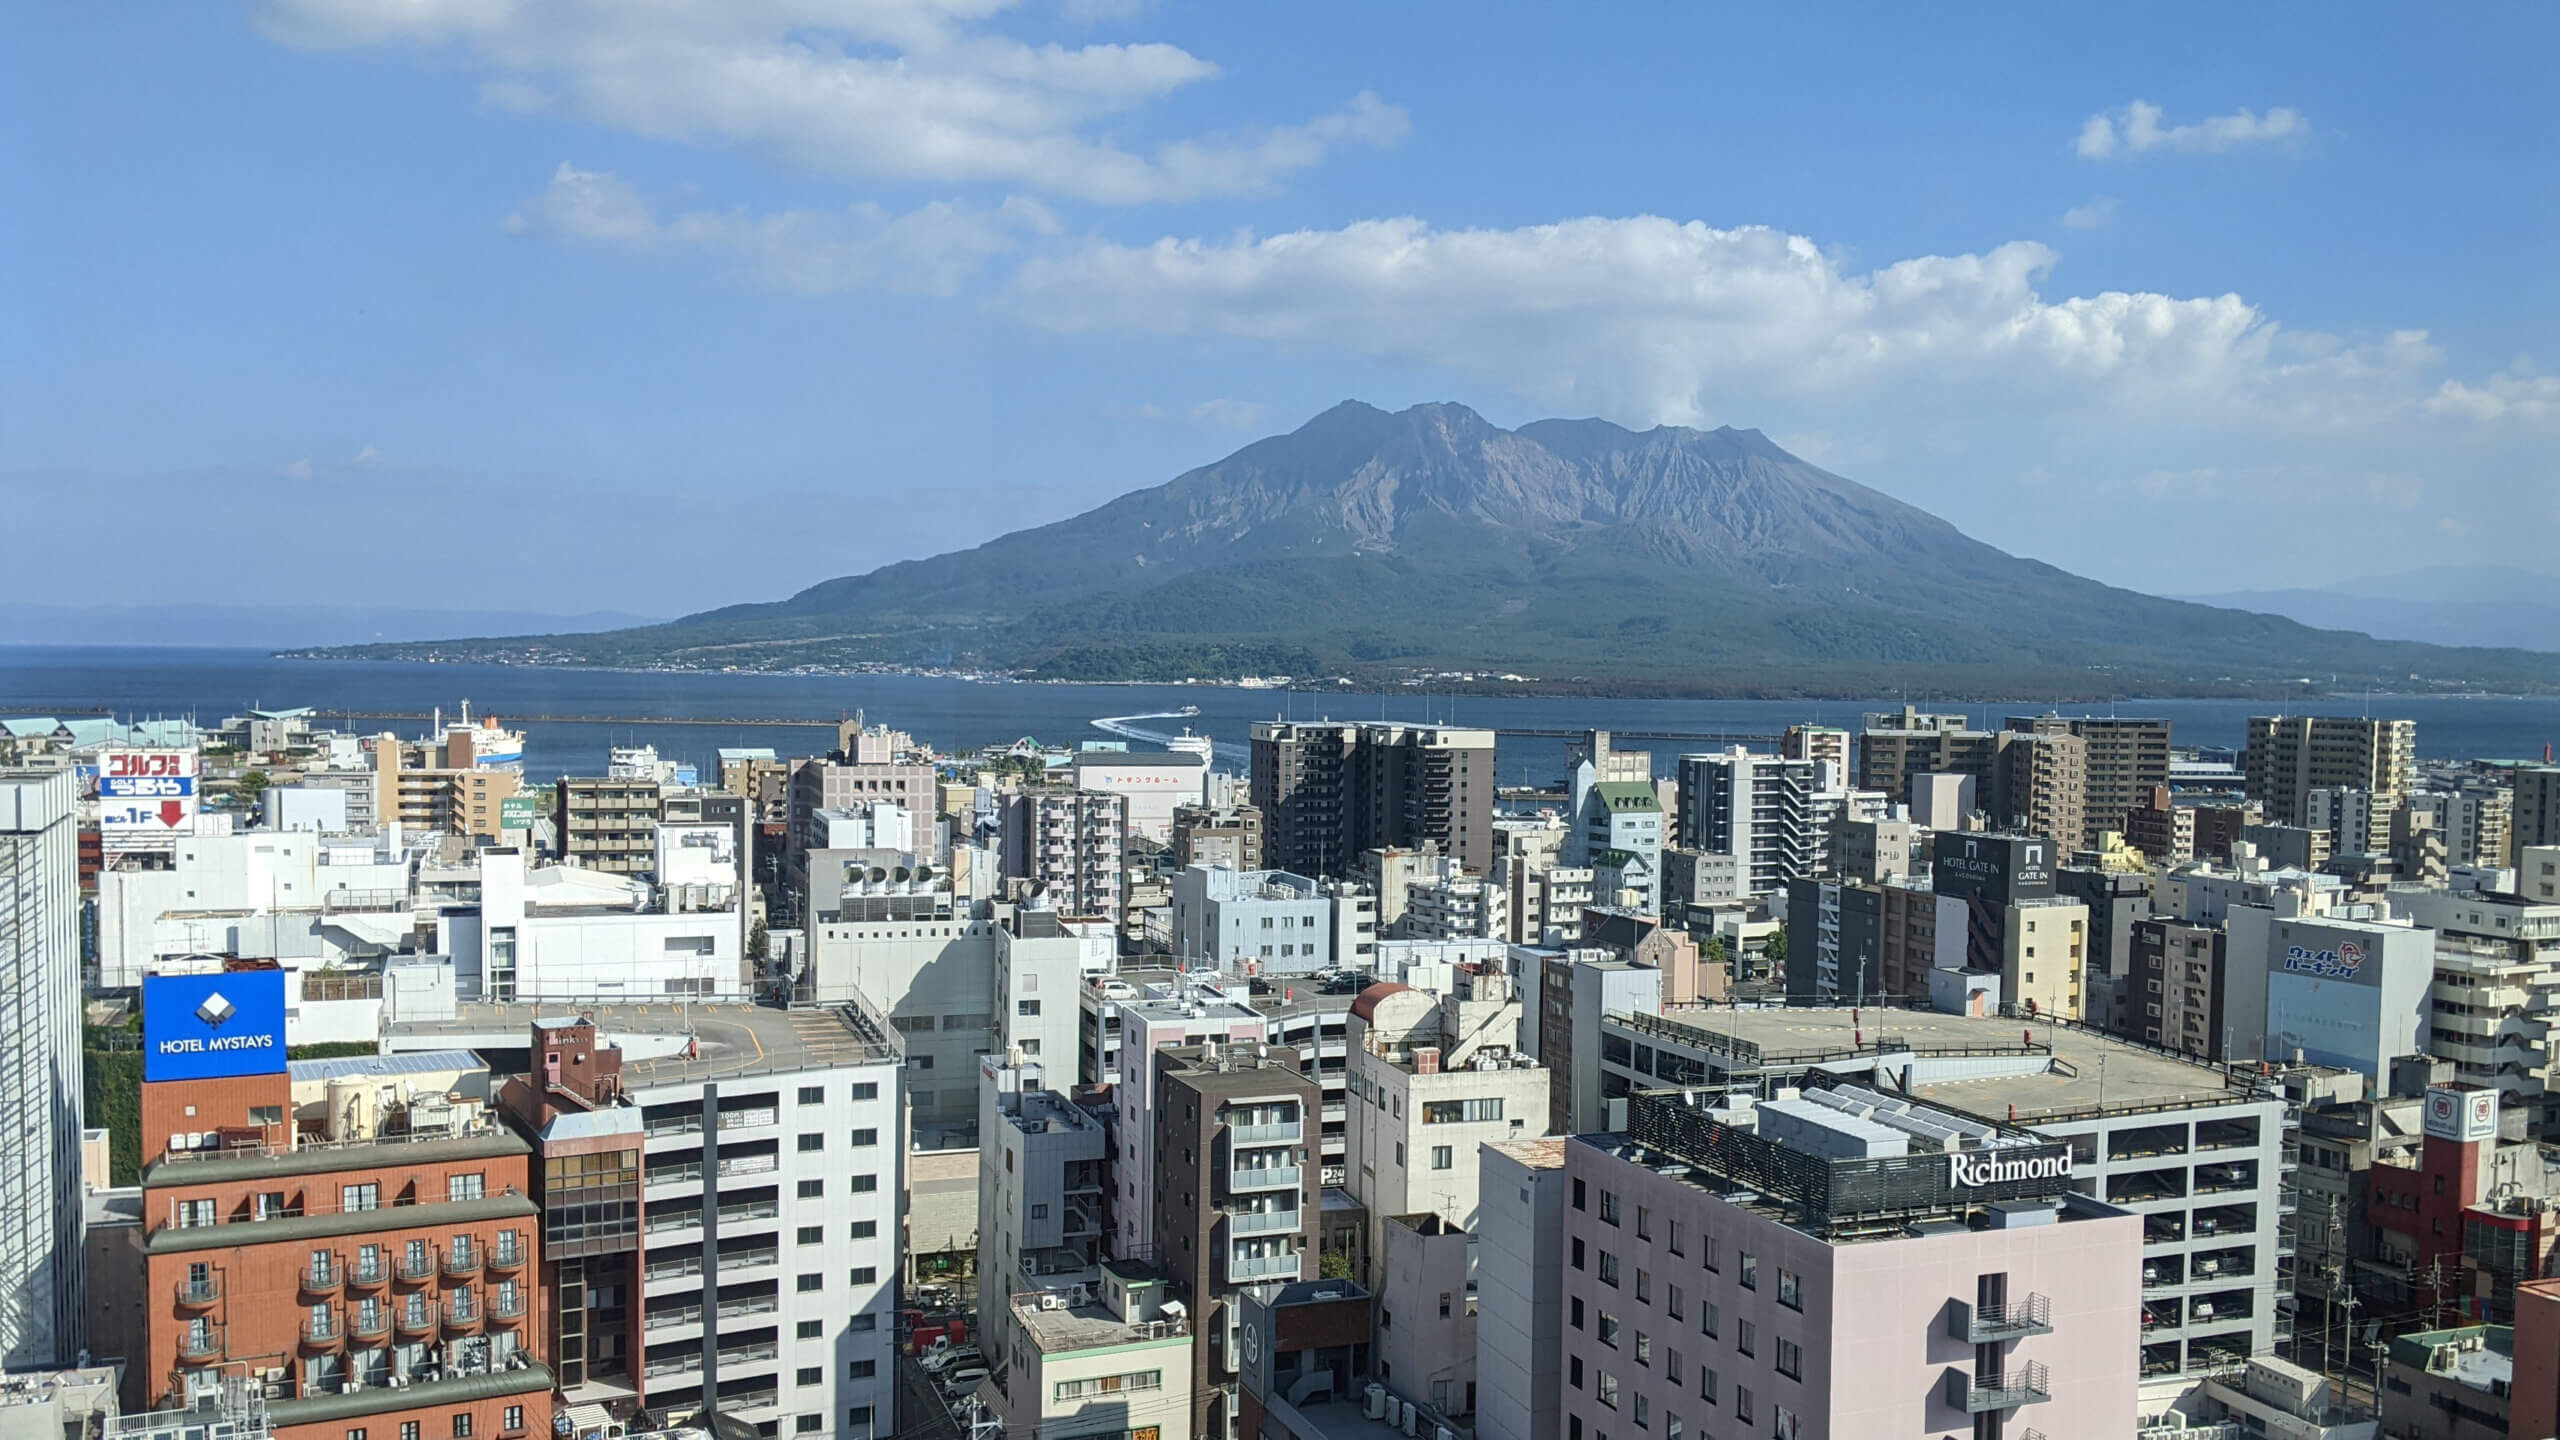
(1263, 1177)
(506, 1308)
(2025, 1385)
(415, 1319)
(1262, 1267)
(196, 1294)
(671, 1319)
(1994, 1324)
(751, 1210)
(1287, 1132)
(369, 1325)
(749, 1259)
(461, 1314)
(1261, 1222)
(675, 1269)
(323, 1279)
(507, 1255)
(414, 1268)
(322, 1330)
(200, 1342)
(368, 1271)
(462, 1261)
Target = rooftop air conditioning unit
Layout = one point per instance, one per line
(1373, 1402)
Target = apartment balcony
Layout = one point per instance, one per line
(1246, 1269)
(368, 1273)
(197, 1294)
(462, 1262)
(1997, 1324)
(678, 1317)
(374, 1324)
(462, 1317)
(323, 1332)
(506, 1256)
(1287, 1132)
(417, 1269)
(199, 1343)
(683, 1267)
(750, 1211)
(735, 1261)
(324, 1279)
(415, 1320)
(1264, 1177)
(670, 1221)
(686, 1124)
(2025, 1385)
(507, 1309)
(662, 1177)
(1262, 1222)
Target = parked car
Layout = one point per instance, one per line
(963, 1379)
(940, 1360)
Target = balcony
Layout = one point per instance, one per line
(461, 1317)
(372, 1324)
(507, 1255)
(1286, 1132)
(2025, 1385)
(417, 1269)
(462, 1262)
(1996, 1324)
(1242, 1269)
(201, 1342)
(1261, 1222)
(368, 1272)
(415, 1320)
(323, 1332)
(678, 1317)
(690, 1124)
(506, 1309)
(678, 1268)
(1263, 1177)
(325, 1279)
(197, 1294)
(751, 1210)
(757, 1259)
(661, 1222)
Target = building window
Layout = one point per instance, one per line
(513, 1419)
(861, 1369)
(1577, 1312)
(808, 1424)
(810, 1143)
(858, 1415)
(813, 1095)
(1790, 1289)
(1644, 1413)
(1746, 1337)
(811, 1284)
(1671, 1363)
(1710, 1320)
(866, 1091)
(1443, 1158)
(811, 1330)
(1608, 1268)
(810, 1375)
(866, 1274)
(812, 1189)
(462, 1426)
(1573, 1371)
(1604, 1386)
(1026, 1008)
(865, 1184)
(1706, 1384)
(1577, 1254)
(865, 1229)
(1749, 1278)
(1679, 1246)
(408, 1430)
(1742, 1403)
(351, 1198)
(1577, 1196)
(1608, 1207)
(1644, 1222)
(1644, 1286)
(813, 1234)
(865, 1138)
(862, 1324)
(1608, 1329)
(1790, 1359)
(1644, 1349)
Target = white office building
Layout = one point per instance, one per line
(42, 1321)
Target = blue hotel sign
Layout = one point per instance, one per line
(206, 1027)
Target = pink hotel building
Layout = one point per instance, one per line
(1841, 1265)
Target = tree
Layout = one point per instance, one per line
(1334, 1266)
(1776, 950)
(1713, 953)
(252, 785)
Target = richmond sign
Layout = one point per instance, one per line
(1972, 1170)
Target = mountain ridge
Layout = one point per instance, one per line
(1378, 544)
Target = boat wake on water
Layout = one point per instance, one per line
(1128, 728)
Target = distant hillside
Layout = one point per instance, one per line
(2473, 605)
(272, 625)
(1576, 552)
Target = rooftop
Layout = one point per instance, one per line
(1060, 1321)
(423, 1062)
(2060, 1071)
(1536, 1154)
(2477, 1357)
(488, 1140)
(727, 1039)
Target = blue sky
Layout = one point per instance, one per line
(655, 306)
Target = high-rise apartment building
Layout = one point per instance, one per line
(2040, 781)
(2289, 756)
(2536, 811)
(2127, 756)
(1329, 790)
(1072, 843)
(1771, 814)
(1820, 743)
(2161, 828)
(1235, 1193)
(610, 823)
(1230, 836)
(1894, 746)
(41, 1322)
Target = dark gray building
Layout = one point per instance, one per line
(1235, 1194)
(1835, 941)
(2116, 899)
(1329, 790)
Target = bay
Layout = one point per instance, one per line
(958, 715)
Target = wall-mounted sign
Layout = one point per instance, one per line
(2340, 963)
(205, 1027)
(1971, 1170)
(2463, 1115)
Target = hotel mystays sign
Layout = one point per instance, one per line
(1976, 1169)
(206, 1027)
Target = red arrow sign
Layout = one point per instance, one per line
(171, 812)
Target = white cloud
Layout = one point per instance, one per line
(2137, 128)
(918, 90)
(1229, 414)
(296, 470)
(2096, 215)
(928, 251)
(1945, 377)
(368, 457)
(2521, 391)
